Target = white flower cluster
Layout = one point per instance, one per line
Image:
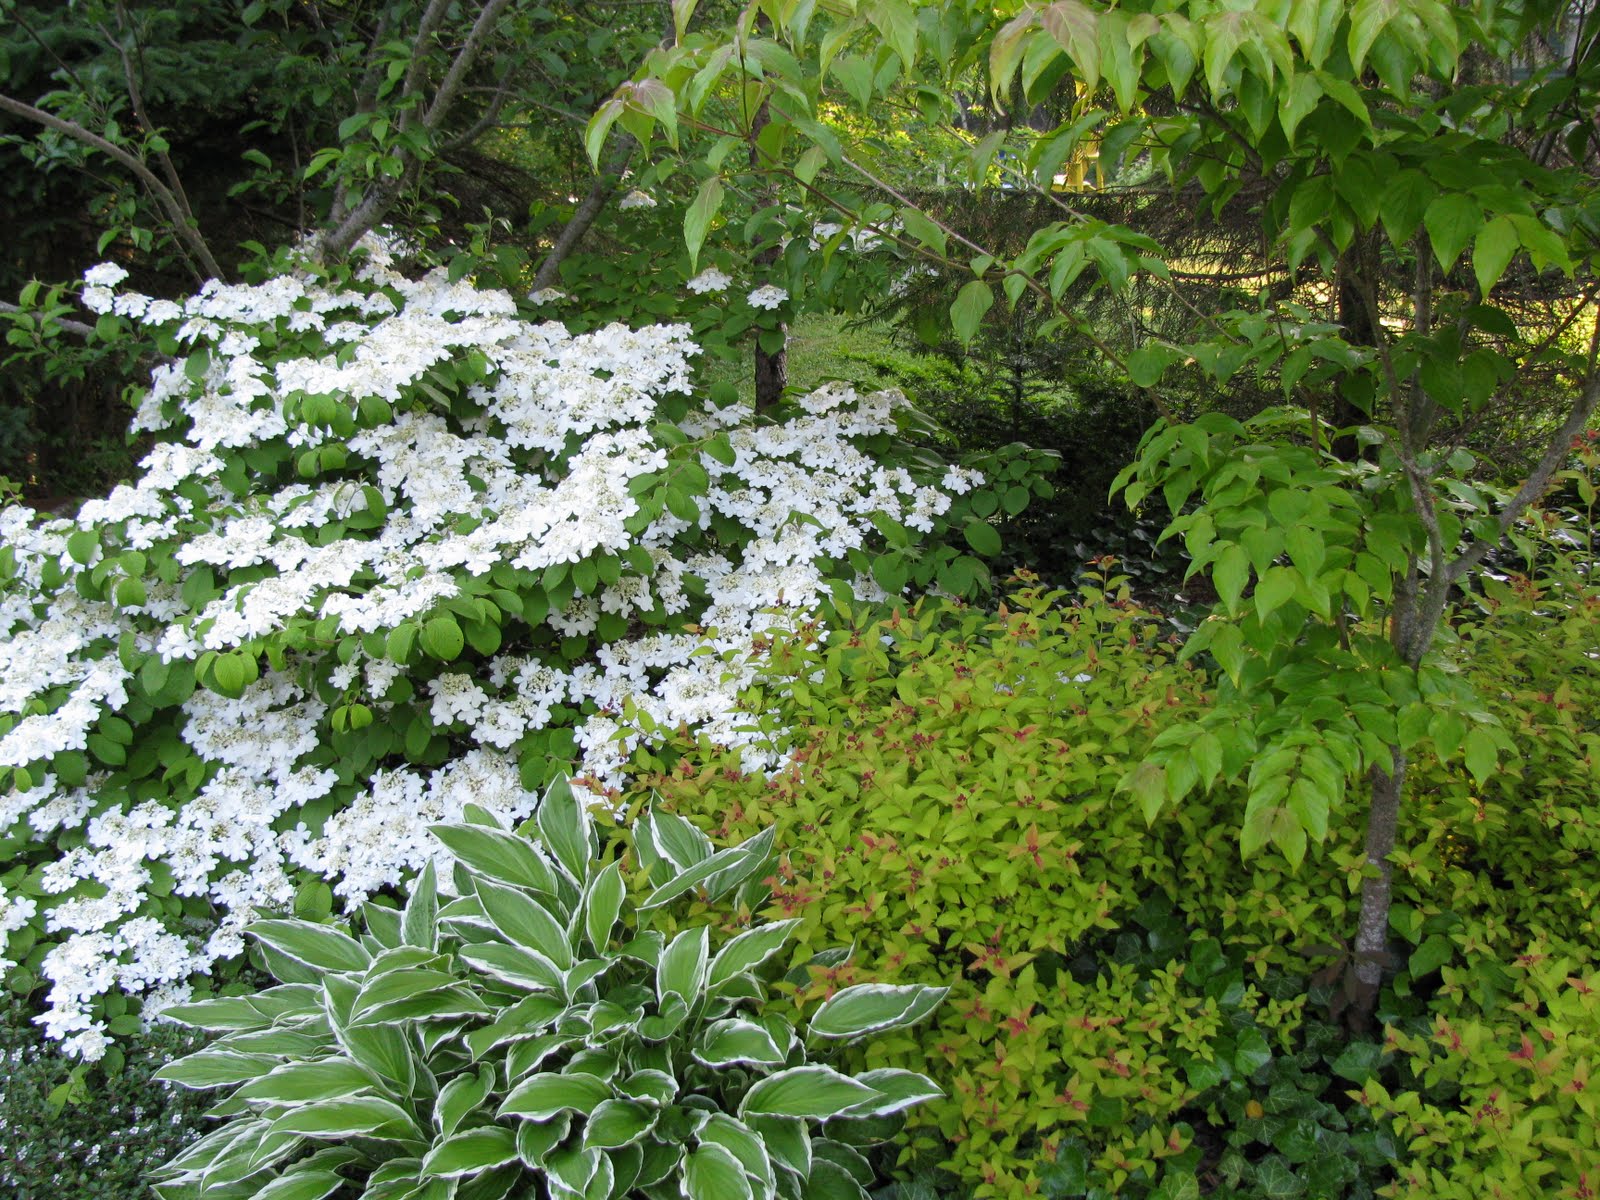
(546, 457)
(767, 296)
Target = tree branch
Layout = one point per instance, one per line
(456, 75)
(603, 188)
(187, 233)
(76, 328)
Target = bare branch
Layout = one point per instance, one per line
(601, 191)
(468, 54)
(76, 328)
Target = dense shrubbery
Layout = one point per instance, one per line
(397, 548)
(952, 806)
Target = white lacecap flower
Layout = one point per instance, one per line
(547, 295)
(637, 199)
(709, 280)
(105, 275)
(767, 296)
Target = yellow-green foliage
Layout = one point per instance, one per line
(952, 810)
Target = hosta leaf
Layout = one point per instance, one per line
(565, 826)
(302, 1185)
(535, 1139)
(356, 1116)
(459, 1097)
(216, 1068)
(668, 837)
(651, 1086)
(471, 1151)
(319, 946)
(229, 1012)
(829, 1181)
(525, 922)
(500, 856)
(617, 1123)
(305, 1082)
(711, 1172)
(603, 905)
(868, 1007)
(901, 1090)
(514, 965)
(419, 924)
(683, 965)
(719, 873)
(749, 950)
(745, 1145)
(724, 1043)
(544, 1096)
(811, 1091)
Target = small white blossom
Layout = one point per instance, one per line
(709, 280)
(767, 296)
(637, 199)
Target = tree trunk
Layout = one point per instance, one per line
(772, 366)
(604, 187)
(1370, 955)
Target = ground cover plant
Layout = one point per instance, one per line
(396, 548)
(523, 1023)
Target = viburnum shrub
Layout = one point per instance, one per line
(537, 1031)
(396, 547)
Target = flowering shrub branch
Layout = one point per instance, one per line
(396, 548)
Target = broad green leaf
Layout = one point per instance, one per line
(594, 133)
(1481, 755)
(1228, 576)
(982, 537)
(616, 1123)
(1402, 203)
(1075, 29)
(602, 905)
(748, 950)
(304, 1082)
(503, 857)
(711, 1172)
(897, 22)
(717, 872)
(698, 217)
(901, 1090)
(515, 965)
(974, 300)
(302, 1185)
(1493, 248)
(1451, 220)
(525, 922)
(871, 1007)
(1275, 589)
(565, 826)
(320, 946)
(682, 968)
(543, 1096)
(724, 1043)
(459, 1097)
(442, 638)
(471, 1151)
(358, 1116)
(810, 1091)
(1431, 955)
(214, 1067)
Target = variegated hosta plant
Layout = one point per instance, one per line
(532, 1035)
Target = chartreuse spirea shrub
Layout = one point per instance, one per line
(396, 547)
(537, 1034)
(1133, 1010)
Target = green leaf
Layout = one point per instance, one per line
(727, 1042)
(974, 300)
(564, 826)
(1075, 29)
(1481, 755)
(697, 219)
(812, 1091)
(616, 1123)
(1276, 588)
(442, 638)
(525, 922)
(1451, 221)
(1402, 203)
(302, 1185)
(1431, 955)
(1228, 576)
(594, 133)
(1358, 1062)
(872, 1007)
(544, 1096)
(1251, 1052)
(319, 946)
(982, 537)
(471, 1151)
(1493, 249)
(216, 1067)
(304, 1082)
(749, 950)
(901, 1090)
(357, 1116)
(603, 905)
(682, 968)
(500, 856)
(897, 22)
(711, 1172)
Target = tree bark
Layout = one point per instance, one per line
(1370, 955)
(772, 367)
(601, 191)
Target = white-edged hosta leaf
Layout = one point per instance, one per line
(529, 1055)
(718, 873)
(211, 1068)
(665, 1022)
(574, 1168)
(471, 1151)
(870, 1007)
(383, 925)
(302, 1185)
(651, 1086)
(460, 1097)
(616, 1123)
(744, 1144)
(812, 1091)
(682, 968)
(749, 950)
(354, 1116)
(535, 1139)
(711, 1172)
(848, 1157)
(566, 828)
(306, 1082)
(545, 1095)
(278, 1042)
(419, 924)
(602, 905)
(516, 966)
(586, 972)
(319, 946)
(495, 854)
(723, 1043)
(441, 1004)
(668, 838)
(787, 1140)
(528, 1017)
(222, 1013)
(523, 921)
(382, 1048)
(829, 1181)
(901, 1090)
(380, 989)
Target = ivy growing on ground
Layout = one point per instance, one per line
(397, 547)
